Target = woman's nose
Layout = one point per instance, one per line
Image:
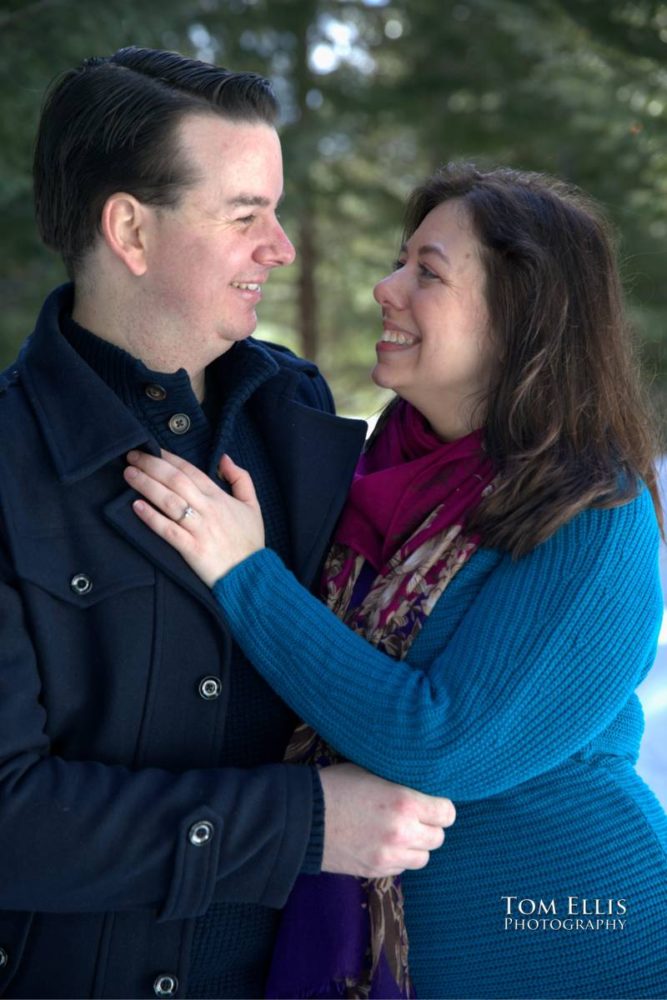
(389, 291)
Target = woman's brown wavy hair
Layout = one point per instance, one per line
(566, 419)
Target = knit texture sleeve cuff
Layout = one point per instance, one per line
(312, 862)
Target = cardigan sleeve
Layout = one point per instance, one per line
(543, 659)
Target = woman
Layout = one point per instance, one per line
(495, 569)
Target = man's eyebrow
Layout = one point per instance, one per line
(249, 201)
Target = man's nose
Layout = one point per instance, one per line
(278, 249)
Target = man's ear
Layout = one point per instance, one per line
(123, 225)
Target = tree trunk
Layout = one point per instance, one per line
(307, 225)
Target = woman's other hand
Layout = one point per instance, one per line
(212, 530)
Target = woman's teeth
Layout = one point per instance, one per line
(394, 337)
(249, 286)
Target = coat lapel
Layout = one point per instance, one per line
(119, 513)
(314, 456)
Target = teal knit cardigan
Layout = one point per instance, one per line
(516, 700)
(521, 664)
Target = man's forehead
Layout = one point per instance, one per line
(236, 164)
(207, 126)
(214, 143)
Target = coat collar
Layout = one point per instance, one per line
(314, 453)
(85, 426)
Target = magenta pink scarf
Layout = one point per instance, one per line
(407, 474)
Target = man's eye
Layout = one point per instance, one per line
(246, 219)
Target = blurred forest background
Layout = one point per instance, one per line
(375, 95)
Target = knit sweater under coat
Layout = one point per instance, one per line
(517, 701)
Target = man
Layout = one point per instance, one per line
(148, 831)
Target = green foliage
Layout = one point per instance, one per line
(375, 95)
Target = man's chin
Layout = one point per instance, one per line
(231, 337)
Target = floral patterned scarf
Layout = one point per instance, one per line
(400, 541)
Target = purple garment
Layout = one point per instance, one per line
(324, 940)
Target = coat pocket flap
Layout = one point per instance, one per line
(82, 570)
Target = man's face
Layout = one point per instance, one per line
(208, 257)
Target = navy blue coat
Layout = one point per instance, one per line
(115, 827)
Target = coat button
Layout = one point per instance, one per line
(165, 985)
(200, 833)
(81, 584)
(155, 391)
(4, 958)
(209, 688)
(179, 423)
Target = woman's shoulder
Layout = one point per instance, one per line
(626, 531)
(636, 513)
(629, 528)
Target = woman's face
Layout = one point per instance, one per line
(436, 349)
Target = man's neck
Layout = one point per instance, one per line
(106, 325)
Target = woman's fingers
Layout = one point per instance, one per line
(199, 478)
(164, 526)
(240, 481)
(212, 530)
(170, 501)
(174, 473)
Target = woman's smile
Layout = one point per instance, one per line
(395, 337)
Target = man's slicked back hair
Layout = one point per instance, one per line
(111, 125)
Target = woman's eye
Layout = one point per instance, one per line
(397, 265)
(425, 272)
